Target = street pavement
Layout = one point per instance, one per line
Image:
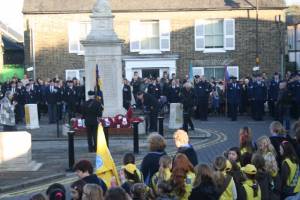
(210, 139)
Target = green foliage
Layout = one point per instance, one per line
(9, 71)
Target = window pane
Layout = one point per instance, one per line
(214, 36)
(209, 28)
(209, 41)
(154, 43)
(218, 28)
(218, 41)
(145, 43)
(219, 73)
(150, 35)
(208, 72)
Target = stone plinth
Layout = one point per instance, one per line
(176, 116)
(15, 152)
(31, 116)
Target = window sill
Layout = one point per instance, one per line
(214, 51)
(150, 52)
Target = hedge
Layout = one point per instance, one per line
(8, 71)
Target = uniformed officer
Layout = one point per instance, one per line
(154, 88)
(296, 94)
(126, 94)
(151, 104)
(51, 100)
(259, 97)
(174, 92)
(136, 84)
(202, 91)
(29, 95)
(20, 99)
(233, 98)
(91, 110)
(70, 99)
(273, 95)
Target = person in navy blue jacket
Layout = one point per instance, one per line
(51, 95)
(259, 93)
(174, 93)
(233, 98)
(273, 95)
(202, 91)
(296, 93)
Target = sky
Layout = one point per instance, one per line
(11, 13)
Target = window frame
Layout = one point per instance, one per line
(77, 34)
(199, 36)
(164, 36)
(205, 35)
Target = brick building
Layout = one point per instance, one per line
(159, 35)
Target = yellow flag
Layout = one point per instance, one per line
(105, 165)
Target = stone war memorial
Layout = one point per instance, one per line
(103, 48)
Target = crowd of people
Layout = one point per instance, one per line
(199, 97)
(253, 96)
(265, 169)
(56, 97)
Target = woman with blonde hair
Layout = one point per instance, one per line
(183, 176)
(264, 146)
(150, 163)
(92, 192)
(271, 167)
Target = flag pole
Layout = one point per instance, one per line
(225, 88)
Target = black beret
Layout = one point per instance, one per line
(91, 93)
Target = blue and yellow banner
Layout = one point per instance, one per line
(105, 165)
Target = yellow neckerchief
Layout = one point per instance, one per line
(293, 170)
(155, 178)
(248, 186)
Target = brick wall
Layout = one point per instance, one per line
(53, 57)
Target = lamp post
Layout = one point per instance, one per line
(257, 60)
(278, 24)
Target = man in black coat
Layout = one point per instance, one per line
(20, 98)
(71, 99)
(126, 94)
(91, 110)
(174, 93)
(202, 92)
(151, 104)
(51, 100)
(188, 100)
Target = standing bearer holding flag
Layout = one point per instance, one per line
(105, 166)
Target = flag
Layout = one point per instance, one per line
(226, 74)
(98, 80)
(105, 165)
(226, 80)
(191, 75)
